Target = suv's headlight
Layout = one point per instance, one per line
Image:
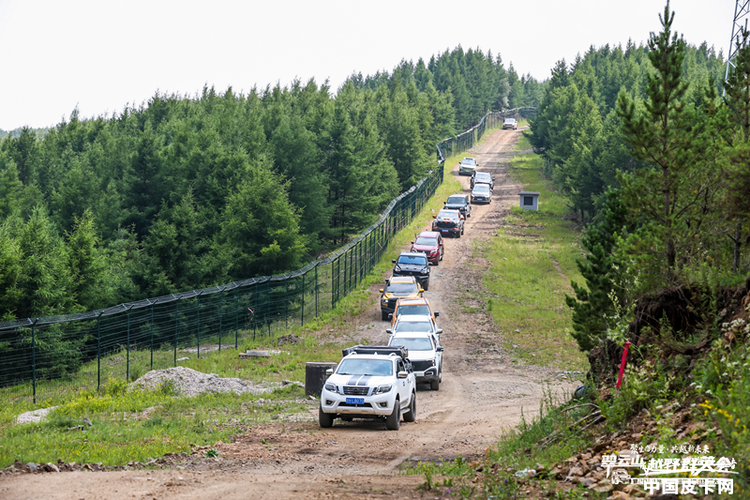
(332, 388)
(397, 268)
(383, 389)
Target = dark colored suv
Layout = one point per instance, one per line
(413, 264)
(459, 202)
(482, 178)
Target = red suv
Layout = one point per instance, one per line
(430, 243)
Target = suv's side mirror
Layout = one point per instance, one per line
(393, 260)
(389, 331)
(434, 216)
(440, 348)
(402, 374)
(390, 315)
(439, 331)
(381, 290)
(329, 371)
(463, 218)
(421, 290)
(437, 313)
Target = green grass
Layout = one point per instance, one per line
(527, 291)
(124, 431)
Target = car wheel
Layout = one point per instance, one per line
(412, 415)
(426, 285)
(437, 262)
(325, 419)
(435, 385)
(384, 315)
(393, 421)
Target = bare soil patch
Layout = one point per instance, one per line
(483, 392)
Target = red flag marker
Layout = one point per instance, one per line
(622, 364)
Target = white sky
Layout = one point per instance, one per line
(101, 55)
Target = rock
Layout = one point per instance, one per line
(587, 482)
(290, 339)
(602, 487)
(31, 466)
(52, 468)
(577, 470)
(619, 495)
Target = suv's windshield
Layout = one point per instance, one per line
(481, 188)
(456, 200)
(416, 309)
(483, 177)
(422, 240)
(401, 288)
(413, 326)
(413, 344)
(378, 367)
(447, 214)
(412, 259)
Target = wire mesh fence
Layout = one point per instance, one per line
(45, 357)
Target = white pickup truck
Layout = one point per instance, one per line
(370, 382)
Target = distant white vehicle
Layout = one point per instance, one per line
(510, 123)
(467, 166)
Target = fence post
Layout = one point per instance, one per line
(302, 320)
(33, 359)
(127, 349)
(99, 351)
(286, 304)
(152, 335)
(199, 325)
(176, 326)
(237, 321)
(316, 290)
(221, 313)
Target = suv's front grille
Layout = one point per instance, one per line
(420, 366)
(446, 224)
(351, 390)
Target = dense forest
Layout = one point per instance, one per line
(187, 192)
(650, 147)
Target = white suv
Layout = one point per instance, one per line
(370, 382)
(421, 336)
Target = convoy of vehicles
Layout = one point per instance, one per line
(380, 382)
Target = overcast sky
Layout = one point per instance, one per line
(101, 55)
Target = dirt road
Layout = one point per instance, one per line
(483, 393)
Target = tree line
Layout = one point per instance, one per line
(184, 192)
(649, 144)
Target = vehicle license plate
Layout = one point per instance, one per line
(355, 401)
(444, 230)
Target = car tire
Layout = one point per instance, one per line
(325, 419)
(384, 315)
(411, 416)
(426, 285)
(437, 262)
(393, 421)
(435, 385)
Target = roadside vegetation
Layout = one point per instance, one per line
(533, 260)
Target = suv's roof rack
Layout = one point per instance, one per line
(383, 350)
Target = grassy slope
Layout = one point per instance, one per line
(526, 287)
